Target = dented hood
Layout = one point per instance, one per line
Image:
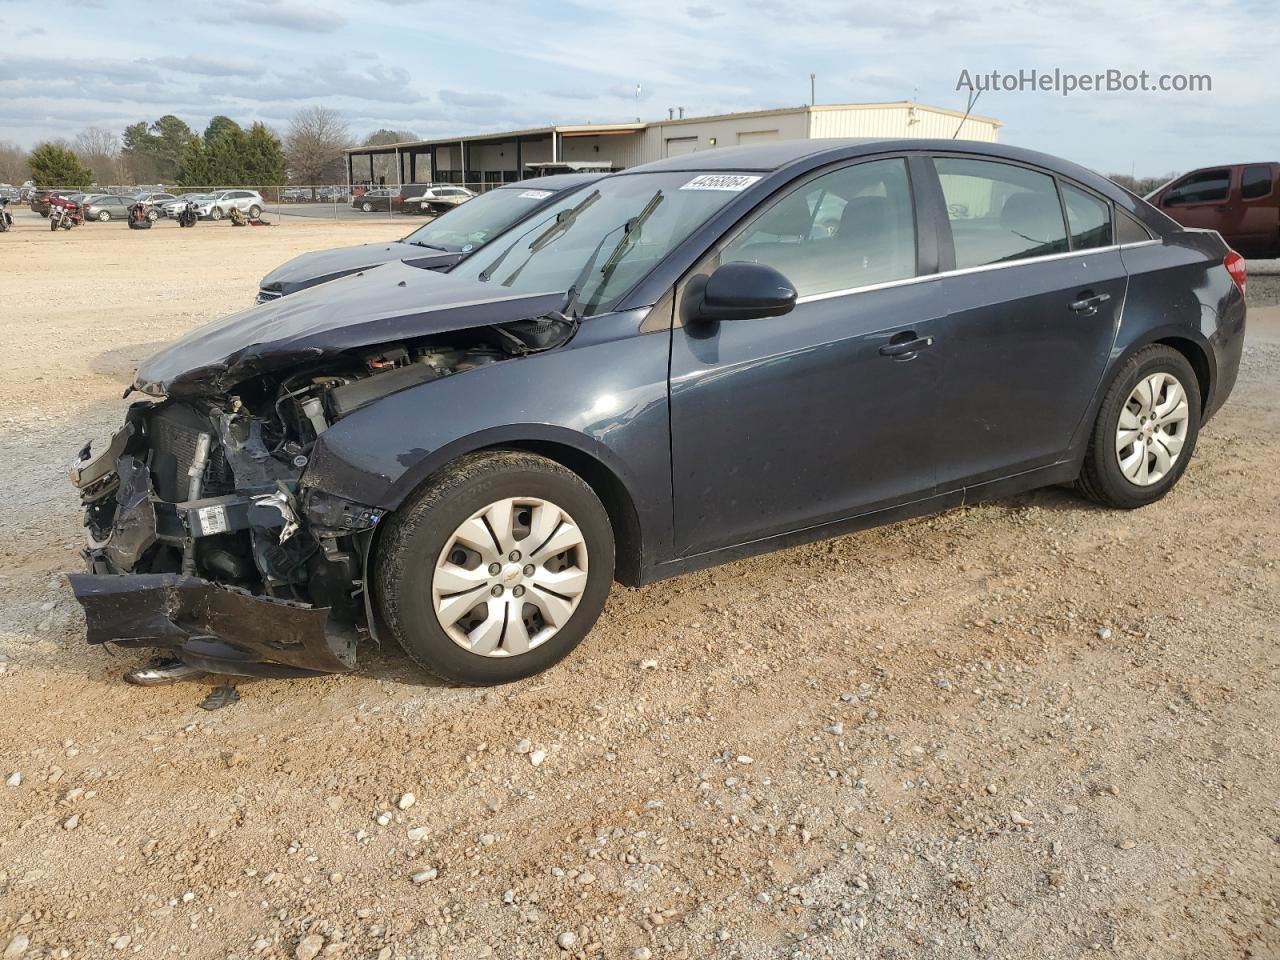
(381, 305)
(324, 265)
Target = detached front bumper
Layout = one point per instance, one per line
(215, 628)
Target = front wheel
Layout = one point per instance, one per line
(367, 207)
(215, 213)
(1145, 432)
(104, 216)
(497, 569)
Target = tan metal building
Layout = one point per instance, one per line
(515, 154)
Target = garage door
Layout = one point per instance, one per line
(756, 136)
(679, 146)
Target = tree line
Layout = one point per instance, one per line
(168, 151)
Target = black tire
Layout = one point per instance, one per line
(255, 212)
(414, 536)
(153, 215)
(367, 207)
(104, 216)
(215, 213)
(1101, 478)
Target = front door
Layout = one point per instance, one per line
(1033, 310)
(782, 423)
(1201, 200)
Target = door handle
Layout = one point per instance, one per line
(1087, 306)
(905, 349)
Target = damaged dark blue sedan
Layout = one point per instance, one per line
(695, 360)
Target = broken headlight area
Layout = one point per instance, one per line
(203, 537)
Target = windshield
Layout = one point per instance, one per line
(469, 226)
(596, 244)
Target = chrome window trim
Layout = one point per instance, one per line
(961, 271)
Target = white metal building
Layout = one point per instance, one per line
(514, 154)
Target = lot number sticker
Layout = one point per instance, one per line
(212, 520)
(720, 181)
(535, 194)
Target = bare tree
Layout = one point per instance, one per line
(13, 163)
(99, 150)
(313, 146)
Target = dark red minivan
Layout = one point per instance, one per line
(1241, 201)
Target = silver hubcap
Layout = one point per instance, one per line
(510, 577)
(1152, 429)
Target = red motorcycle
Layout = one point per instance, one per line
(64, 213)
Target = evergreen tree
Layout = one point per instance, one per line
(194, 166)
(53, 165)
(217, 125)
(265, 165)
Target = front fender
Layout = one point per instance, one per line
(603, 395)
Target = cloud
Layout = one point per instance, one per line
(277, 13)
(209, 66)
(454, 98)
(700, 11)
(572, 95)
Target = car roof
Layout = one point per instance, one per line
(778, 154)
(555, 182)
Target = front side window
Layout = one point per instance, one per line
(597, 244)
(1000, 212)
(853, 227)
(1088, 217)
(1255, 181)
(1204, 187)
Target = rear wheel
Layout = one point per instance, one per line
(153, 214)
(497, 569)
(1146, 430)
(255, 212)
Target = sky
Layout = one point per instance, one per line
(446, 67)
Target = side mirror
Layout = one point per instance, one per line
(739, 291)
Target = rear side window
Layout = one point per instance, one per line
(850, 228)
(1204, 187)
(1088, 218)
(1129, 230)
(1255, 181)
(999, 212)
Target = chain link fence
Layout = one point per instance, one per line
(281, 204)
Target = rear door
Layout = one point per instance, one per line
(787, 422)
(1033, 310)
(1258, 228)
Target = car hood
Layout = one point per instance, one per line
(324, 265)
(384, 304)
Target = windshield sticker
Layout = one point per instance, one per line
(720, 181)
(535, 194)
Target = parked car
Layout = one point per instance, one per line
(40, 200)
(666, 370)
(170, 208)
(219, 205)
(437, 245)
(108, 208)
(392, 198)
(1241, 201)
(438, 199)
(159, 199)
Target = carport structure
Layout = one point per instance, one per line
(489, 159)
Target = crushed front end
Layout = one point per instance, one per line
(203, 542)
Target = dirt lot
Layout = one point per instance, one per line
(1032, 728)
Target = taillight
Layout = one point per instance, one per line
(1235, 266)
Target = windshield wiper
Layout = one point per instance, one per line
(561, 225)
(429, 246)
(628, 240)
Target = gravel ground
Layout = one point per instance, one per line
(1025, 729)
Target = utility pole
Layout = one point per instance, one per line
(813, 99)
